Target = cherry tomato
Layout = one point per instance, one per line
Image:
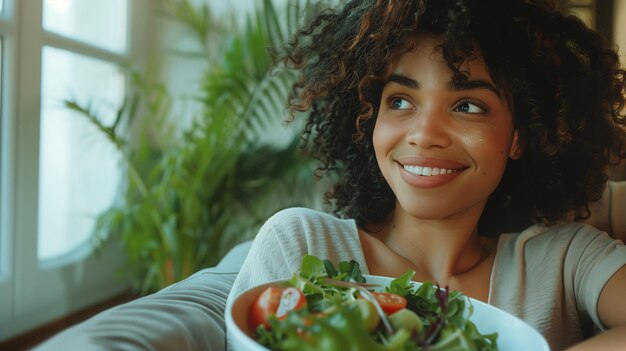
(390, 302)
(276, 301)
(264, 306)
(291, 299)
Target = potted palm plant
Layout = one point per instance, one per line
(192, 195)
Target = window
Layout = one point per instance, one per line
(100, 23)
(84, 42)
(57, 171)
(78, 168)
(5, 31)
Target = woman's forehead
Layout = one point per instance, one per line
(426, 50)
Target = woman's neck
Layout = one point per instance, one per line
(440, 249)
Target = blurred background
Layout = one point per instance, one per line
(140, 140)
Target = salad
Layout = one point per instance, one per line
(334, 308)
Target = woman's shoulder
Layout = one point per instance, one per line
(299, 223)
(301, 214)
(546, 272)
(567, 231)
(301, 218)
(562, 239)
(309, 231)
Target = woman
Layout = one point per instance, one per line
(462, 135)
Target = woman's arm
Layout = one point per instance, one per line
(612, 312)
(609, 214)
(611, 340)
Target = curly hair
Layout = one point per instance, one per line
(564, 83)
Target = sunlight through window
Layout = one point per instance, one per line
(79, 168)
(100, 23)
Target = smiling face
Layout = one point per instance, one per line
(442, 148)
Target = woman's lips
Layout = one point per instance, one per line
(430, 162)
(430, 171)
(424, 172)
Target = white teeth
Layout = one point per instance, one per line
(428, 171)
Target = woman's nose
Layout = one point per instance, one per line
(430, 128)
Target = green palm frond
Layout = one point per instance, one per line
(192, 195)
(245, 82)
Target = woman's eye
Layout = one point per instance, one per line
(400, 104)
(466, 106)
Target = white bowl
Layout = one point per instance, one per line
(513, 333)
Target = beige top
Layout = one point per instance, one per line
(551, 277)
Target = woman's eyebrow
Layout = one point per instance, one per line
(463, 85)
(403, 80)
(473, 84)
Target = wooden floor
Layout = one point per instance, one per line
(32, 338)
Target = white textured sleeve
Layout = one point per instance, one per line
(268, 256)
(601, 256)
(289, 235)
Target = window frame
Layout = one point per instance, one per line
(34, 293)
(7, 160)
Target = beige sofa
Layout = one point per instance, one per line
(188, 315)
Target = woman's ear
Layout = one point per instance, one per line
(517, 149)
